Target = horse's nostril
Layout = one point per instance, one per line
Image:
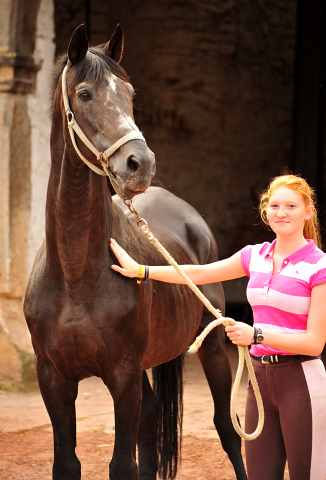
(132, 164)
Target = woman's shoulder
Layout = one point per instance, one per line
(315, 255)
(252, 255)
(314, 264)
(261, 248)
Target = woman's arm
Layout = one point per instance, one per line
(311, 342)
(200, 274)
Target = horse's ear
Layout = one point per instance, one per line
(78, 45)
(114, 47)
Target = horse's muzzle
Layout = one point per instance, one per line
(132, 176)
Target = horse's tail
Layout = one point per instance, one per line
(168, 389)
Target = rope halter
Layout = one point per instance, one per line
(102, 157)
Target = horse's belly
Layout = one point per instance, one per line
(175, 319)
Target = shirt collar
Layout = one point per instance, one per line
(295, 257)
(267, 248)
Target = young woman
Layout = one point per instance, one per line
(287, 292)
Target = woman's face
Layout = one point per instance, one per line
(286, 212)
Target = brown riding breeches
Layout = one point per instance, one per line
(294, 398)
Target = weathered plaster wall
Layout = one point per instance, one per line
(39, 113)
(15, 192)
(24, 165)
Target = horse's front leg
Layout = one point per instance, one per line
(126, 392)
(59, 395)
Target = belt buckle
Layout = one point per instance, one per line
(266, 359)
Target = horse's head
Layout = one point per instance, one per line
(98, 109)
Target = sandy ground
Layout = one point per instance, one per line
(26, 434)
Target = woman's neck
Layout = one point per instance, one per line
(285, 246)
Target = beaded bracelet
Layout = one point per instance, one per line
(145, 269)
(140, 273)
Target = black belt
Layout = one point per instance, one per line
(267, 359)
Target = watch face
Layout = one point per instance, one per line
(259, 335)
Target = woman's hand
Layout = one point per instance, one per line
(240, 334)
(129, 268)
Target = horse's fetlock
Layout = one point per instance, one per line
(68, 471)
(123, 470)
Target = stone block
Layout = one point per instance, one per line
(10, 363)
(17, 359)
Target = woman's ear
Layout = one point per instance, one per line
(310, 211)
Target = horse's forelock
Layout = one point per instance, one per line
(114, 67)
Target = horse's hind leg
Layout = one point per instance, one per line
(147, 433)
(59, 396)
(213, 357)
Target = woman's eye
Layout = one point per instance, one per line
(84, 96)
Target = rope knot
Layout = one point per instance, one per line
(148, 233)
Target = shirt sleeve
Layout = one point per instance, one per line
(319, 276)
(245, 256)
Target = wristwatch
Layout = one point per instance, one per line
(258, 335)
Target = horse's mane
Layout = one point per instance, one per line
(92, 68)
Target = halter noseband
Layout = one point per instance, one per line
(102, 157)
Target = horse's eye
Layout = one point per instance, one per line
(84, 96)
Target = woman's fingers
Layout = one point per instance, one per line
(240, 334)
(118, 251)
(129, 267)
(115, 247)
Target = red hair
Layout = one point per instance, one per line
(311, 228)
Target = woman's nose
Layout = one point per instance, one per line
(281, 212)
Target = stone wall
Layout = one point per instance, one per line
(214, 83)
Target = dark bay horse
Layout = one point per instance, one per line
(87, 320)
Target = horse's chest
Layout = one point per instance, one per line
(89, 332)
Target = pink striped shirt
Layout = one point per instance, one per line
(281, 302)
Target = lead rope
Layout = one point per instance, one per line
(220, 320)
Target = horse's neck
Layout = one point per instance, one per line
(77, 227)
